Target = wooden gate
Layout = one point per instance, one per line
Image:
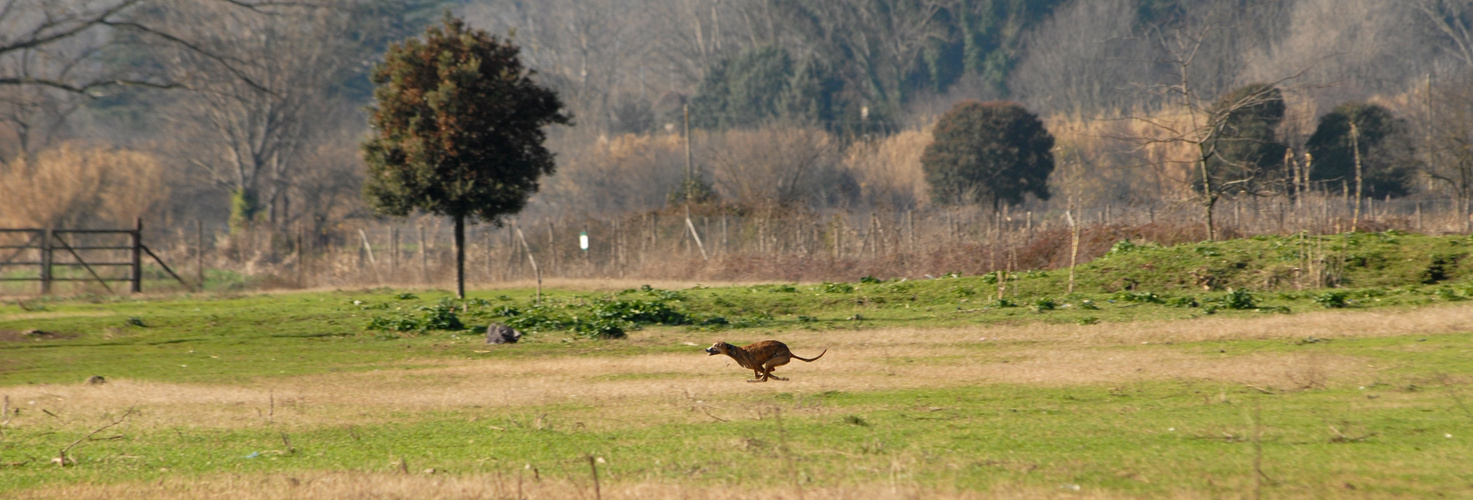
(76, 251)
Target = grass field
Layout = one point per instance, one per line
(950, 387)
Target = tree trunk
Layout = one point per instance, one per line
(460, 256)
(1211, 229)
(1355, 148)
(1209, 198)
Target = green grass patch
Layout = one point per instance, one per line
(1147, 439)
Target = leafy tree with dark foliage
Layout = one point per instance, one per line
(1245, 153)
(761, 85)
(1387, 153)
(991, 153)
(457, 130)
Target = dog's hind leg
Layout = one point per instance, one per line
(772, 364)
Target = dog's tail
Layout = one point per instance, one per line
(815, 358)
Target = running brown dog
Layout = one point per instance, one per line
(761, 357)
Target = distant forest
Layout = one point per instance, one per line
(249, 113)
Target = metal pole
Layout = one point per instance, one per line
(137, 257)
(46, 261)
(199, 254)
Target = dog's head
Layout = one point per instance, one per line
(718, 348)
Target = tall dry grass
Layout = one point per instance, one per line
(889, 170)
(624, 173)
(76, 186)
(777, 166)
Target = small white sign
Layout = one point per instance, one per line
(583, 240)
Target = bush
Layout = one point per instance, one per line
(603, 319)
(1332, 299)
(837, 288)
(599, 329)
(1123, 247)
(1187, 301)
(639, 312)
(1140, 297)
(440, 316)
(393, 324)
(1239, 299)
(989, 154)
(1449, 294)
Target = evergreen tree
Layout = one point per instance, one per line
(761, 85)
(1387, 153)
(1246, 155)
(988, 153)
(457, 130)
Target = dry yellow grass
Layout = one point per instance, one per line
(389, 485)
(74, 186)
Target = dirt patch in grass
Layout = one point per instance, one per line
(54, 314)
(33, 335)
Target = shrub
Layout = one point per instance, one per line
(441, 316)
(836, 287)
(1449, 294)
(1332, 299)
(1239, 299)
(1187, 301)
(639, 312)
(1123, 247)
(989, 154)
(1140, 297)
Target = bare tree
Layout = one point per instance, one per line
(1448, 116)
(1085, 59)
(777, 167)
(876, 43)
(32, 118)
(626, 173)
(1197, 119)
(248, 127)
(1453, 19)
(51, 60)
(612, 59)
(1350, 49)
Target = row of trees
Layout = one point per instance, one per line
(255, 107)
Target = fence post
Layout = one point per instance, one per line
(136, 261)
(301, 258)
(199, 254)
(46, 261)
